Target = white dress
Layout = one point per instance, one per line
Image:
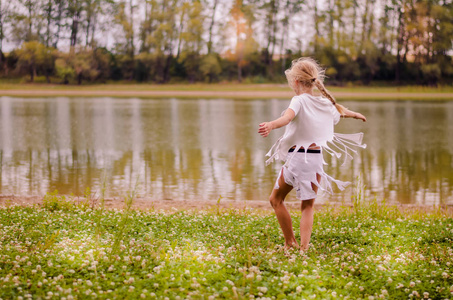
(314, 123)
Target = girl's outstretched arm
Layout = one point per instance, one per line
(267, 127)
(352, 114)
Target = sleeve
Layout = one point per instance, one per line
(336, 115)
(295, 104)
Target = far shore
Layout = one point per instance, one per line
(221, 91)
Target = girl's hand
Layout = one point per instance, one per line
(359, 116)
(265, 129)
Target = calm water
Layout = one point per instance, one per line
(203, 149)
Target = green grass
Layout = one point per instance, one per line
(63, 250)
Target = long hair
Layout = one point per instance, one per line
(309, 73)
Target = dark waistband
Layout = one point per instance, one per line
(308, 150)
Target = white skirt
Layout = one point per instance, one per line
(300, 171)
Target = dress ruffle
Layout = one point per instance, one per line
(340, 145)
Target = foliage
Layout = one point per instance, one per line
(160, 41)
(373, 251)
(210, 67)
(33, 57)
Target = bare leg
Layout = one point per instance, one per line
(277, 199)
(306, 223)
(306, 220)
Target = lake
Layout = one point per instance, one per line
(206, 149)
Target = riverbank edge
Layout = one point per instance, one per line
(239, 92)
(199, 205)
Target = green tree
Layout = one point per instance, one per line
(211, 25)
(34, 56)
(210, 67)
(242, 18)
(126, 47)
(26, 21)
(74, 13)
(4, 15)
(191, 40)
(83, 65)
(290, 8)
(63, 68)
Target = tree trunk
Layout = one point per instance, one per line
(79, 79)
(429, 37)
(30, 18)
(57, 34)
(75, 27)
(315, 42)
(364, 23)
(89, 14)
(132, 49)
(211, 26)
(181, 27)
(331, 12)
(399, 42)
(341, 28)
(49, 20)
(274, 9)
(93, 30)
(32, 72)
(1, 32)
(168, 61)
(371, 22)
(354, 18)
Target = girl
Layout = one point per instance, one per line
(310, 123)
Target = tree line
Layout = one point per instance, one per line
(75, 41)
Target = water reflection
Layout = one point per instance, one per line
(203, 149)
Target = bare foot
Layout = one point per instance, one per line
(304, 249)
(292, 246)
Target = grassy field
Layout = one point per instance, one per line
(62, 250)
(221, 90)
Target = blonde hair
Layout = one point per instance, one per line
(309, 73)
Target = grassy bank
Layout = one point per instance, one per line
(227, 90)
(60, 250)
